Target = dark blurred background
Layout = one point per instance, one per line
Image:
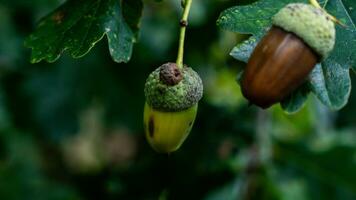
(73, 129)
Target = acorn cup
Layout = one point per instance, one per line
(172, 96)
(301, 36)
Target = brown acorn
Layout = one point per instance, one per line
(301, 36)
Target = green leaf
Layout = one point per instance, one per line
(345, 48)
(331, 82)
(244, 50)
(295, 101)
(78, 25)
(331, 85)
(250, 19)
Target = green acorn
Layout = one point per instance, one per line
(172, 96)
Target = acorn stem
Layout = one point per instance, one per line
(334, 19)
(183, 26)
(326, 2)
(315, 3)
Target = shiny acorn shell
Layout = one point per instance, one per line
(278, 65)
(166, 131)
(301, 36)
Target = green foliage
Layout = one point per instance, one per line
(24, 168)
(317, 159)
(77, 26)
(73, 129)
(329, 81)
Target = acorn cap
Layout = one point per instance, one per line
(171, 89)
(311, 24)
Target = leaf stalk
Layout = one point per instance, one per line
(334, 19)
(183, 26)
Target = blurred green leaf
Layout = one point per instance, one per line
(78, 25)
(256, 185)
(22, 176)
(293, 128)
(319, 159)
(293, 189)
(228, 192)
